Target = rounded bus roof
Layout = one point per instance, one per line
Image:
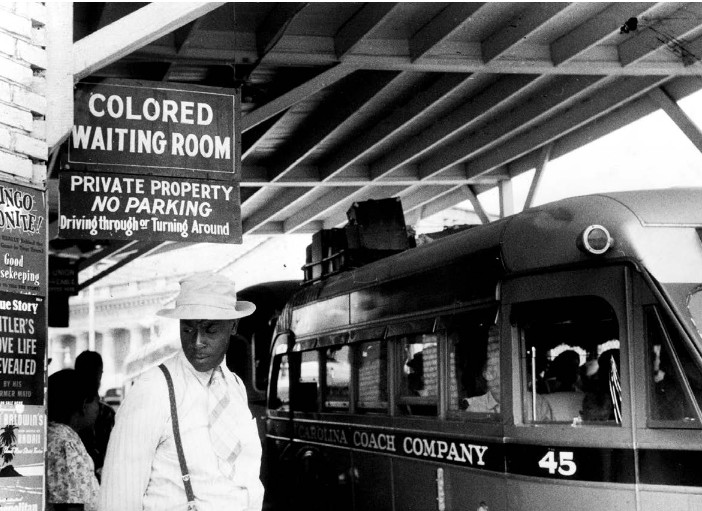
(545, 236)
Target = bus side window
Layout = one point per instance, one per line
(306, 389)
(570, 360)
(668, 400)
(280, 399)
(337, 369)
(474, 368)
(372, 377)
(419, 374)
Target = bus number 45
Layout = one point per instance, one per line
(564, 465)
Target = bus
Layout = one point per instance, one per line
(549, 360)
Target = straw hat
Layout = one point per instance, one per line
(207, 296)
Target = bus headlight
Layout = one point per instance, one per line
(595, 240)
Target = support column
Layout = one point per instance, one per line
(544, 158)
(477, 207)
(136, 339)
(506, 198)
(82, 342)
(121, 348)
(106, 346)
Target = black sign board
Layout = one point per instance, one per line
(22, 348)
(22, 239)
(147, 127)
(127, 207)
(63, 276)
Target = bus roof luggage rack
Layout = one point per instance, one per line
(376, 229)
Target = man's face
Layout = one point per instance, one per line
(205, 341)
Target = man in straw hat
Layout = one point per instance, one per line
(221, 449)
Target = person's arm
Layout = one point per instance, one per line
(138, 426)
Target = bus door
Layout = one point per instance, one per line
(570, 444)
(308, 441)
(668, 416)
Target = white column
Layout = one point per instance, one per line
(107, 350)
(506, 198)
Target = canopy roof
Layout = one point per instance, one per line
(431, 102)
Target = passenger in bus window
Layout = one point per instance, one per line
(489, 402)
(415, 374)
(562, 379)
(669, 402)
(603, 402)
(420, 369)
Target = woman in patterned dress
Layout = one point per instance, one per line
(71, 484)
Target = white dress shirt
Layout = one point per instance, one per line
(142, 472)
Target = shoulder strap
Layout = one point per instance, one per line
(176, 436)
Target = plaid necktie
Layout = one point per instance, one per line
(223, 422)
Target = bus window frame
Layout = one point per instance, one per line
(670, 346)
(669, 436)
(337, 406)
(612, 282)
(486, 311)
(273, 384)
(371, 407)
(404, 403)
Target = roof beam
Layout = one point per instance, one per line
(442, 203)
(455, 57)
(274, 25)
(413, 198)
(254, 137)
(679, 117)
(269, 34)
(319, 82)
(183, 39)
(544, 157)
(576, 126)
(403, 118)
(329, 121)
(519, 29)
(357, 95)
(670, 33)
(588, 133)
(602, 126)
(314, 210)
(283, 199)
(578, 115)
(575, 139)
(132, 32)
(257, 177)
(140, 248)
(361, 25)
(449, 21)
(462, 118)
(544, 103)
(595, 30)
